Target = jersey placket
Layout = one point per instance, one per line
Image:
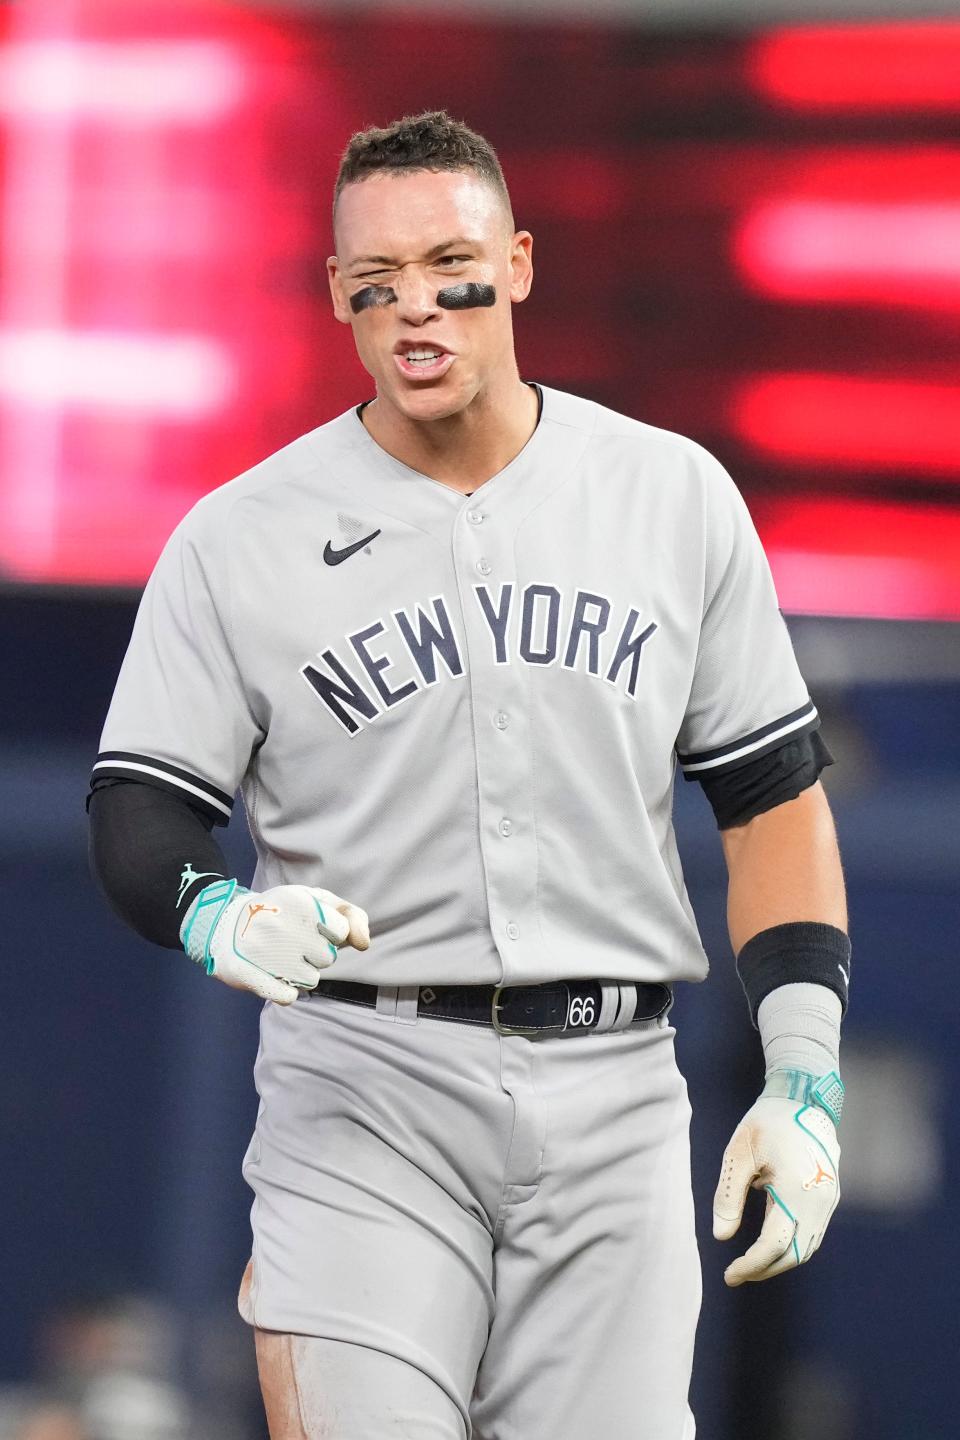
(484, 560)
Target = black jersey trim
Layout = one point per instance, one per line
(767, 737)
(119, 763)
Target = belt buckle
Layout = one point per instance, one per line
(495, 1016)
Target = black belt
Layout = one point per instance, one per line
(558, 1008)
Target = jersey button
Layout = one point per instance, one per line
(475, 517)
(505, 827)
(513, 931)
(501, 720)
(484, 566)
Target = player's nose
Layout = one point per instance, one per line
(416, 298)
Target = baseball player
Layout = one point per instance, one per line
(451, 647)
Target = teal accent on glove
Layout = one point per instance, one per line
(200, 921)
(827, 1092)
(790, 1216)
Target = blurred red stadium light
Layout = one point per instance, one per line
(121, 82)
(848, 421)
(833, 555)
(174, 376)
(138, 149)
(164, 320)
(877, 254)
(897, 66)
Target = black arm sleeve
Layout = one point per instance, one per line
(761, 784)
(144, 842)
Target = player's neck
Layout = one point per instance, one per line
(462, 450)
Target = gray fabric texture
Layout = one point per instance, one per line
(471, 725)
(511, 1218)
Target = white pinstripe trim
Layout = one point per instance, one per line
(163, 775)
(749, 749)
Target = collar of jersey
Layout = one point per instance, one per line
(399, 467)
(354, 462)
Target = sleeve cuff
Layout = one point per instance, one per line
(127, 765)
(698, 763)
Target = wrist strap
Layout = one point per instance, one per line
(800, 1029)
(827, 1093)
(798, 952)
(201, 919)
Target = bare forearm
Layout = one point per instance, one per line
(783, 866)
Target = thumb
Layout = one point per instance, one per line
(359, 936)
(352, 925)
(737, 1171)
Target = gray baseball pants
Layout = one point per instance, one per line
(473, 1235)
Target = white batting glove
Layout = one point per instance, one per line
(787, 1145)
(274, 942)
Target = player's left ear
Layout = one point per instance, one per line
(521, 265)
(340, 306)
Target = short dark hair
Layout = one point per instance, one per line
(432, 140)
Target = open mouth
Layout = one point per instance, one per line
(423, 360)
(422, 357)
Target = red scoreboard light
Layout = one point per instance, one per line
(874, 559)
(861, 67)
(874, 252)
(753, 240)
(853, 422)
(155, 331)
(859, 231)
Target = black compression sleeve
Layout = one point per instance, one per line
(761, 784)
(142, 841)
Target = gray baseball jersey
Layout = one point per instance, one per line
(466, 713)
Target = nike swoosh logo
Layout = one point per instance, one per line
(337, 557)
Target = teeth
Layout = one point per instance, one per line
(422, 355)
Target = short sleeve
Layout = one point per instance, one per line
(748, 696)
(179, 718)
